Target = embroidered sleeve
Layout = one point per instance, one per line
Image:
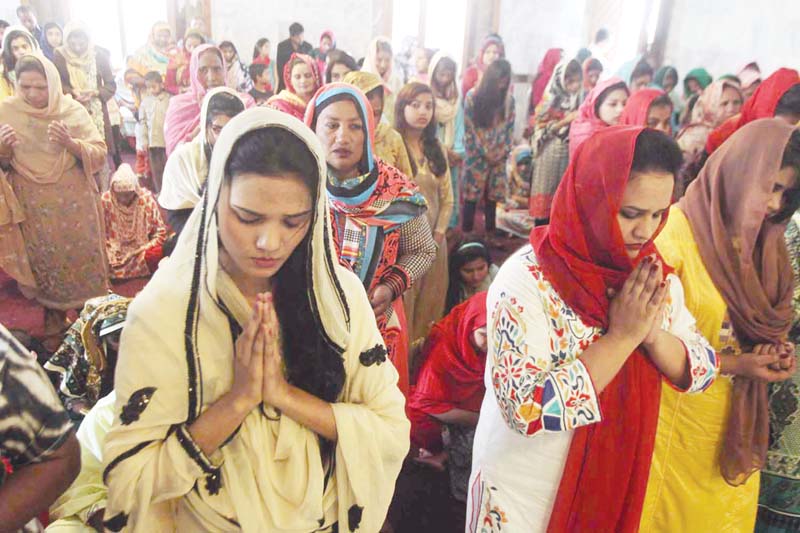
(538, 380)
(701, 357)
(417, 251)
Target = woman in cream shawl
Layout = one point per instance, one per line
(316, 440)
(54, 151)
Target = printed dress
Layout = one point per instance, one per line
(480, 143)
(538, 391)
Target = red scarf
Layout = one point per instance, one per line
(582, 254)
(761, 105)
(638, 106)
(451, 376)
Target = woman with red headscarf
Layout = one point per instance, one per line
(648, 107)
(543, 74)
(301, 78)
(586, 325)
(725, 239)
(492, 49)
(762, 104)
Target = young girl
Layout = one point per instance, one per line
(488, 129)
(492, 49)
(471, 271)
(269, 404)
(424, 303)
(550, 142)
(261, 54)
(602, 108)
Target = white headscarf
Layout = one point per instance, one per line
(269, 476)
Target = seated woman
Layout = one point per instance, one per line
(186, 170)
(82, 369)
(649, 107)
(602, 108)
(135, 230)
(512, 214)
(389, 144)
(725, 239)
(471, 271)
(449, 391)
(267, 403)
(585, 328)
(301, 78)
(380, 226)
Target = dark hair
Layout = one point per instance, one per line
(228, 44)
(789, 103)
(29, 64)
(469, 248)
(296, 29)
(642, 68)
(663, 100)
(489, 102)
(154, 76)
(222, 103)
(255, 70)
(257, 48)
(312, 363)
(573, 69)
(4, 24)
(791, 154)
(656, 151)
(601, 35)
(339, 57)
(430, 144)
(443, 63)
(9, 61)
(603, 95)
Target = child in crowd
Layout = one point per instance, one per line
(471, 271)
(152, 111)
(262, 89)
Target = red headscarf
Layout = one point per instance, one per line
(761, 105)
(287, 71)
(582, 254)
(451, 376)
(635, 112)
(543, 75)
(588, 122)
(473, 73)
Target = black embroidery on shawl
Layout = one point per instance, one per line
(376, 354)
(116, 522)
(213, 473)
(136, 405)
(354, 517)
(121, 457)
(190, 327)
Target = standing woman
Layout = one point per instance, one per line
(488, 131)
(380, 227)
(86, 74)
(301, 80)
(449, 117)
(379, 60)
(237, 77)
(544, 72)
(550, 142)
(17, 42)
(327, 43)
(424, 303)
(54, 151)
(725, 241)
(53, 38)
(206, 71)
(585, 327)
(269, 405)
(491, 50)
(601, 108)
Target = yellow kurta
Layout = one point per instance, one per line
(424, 301)
(686, 491)
(390, 147)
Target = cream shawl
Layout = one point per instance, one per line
(176, 358)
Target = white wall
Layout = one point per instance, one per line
(724, 35)
(245, 21)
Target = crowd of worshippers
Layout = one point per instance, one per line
(324, 343)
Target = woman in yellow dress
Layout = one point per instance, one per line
(725, 241)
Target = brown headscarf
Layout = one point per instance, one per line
(746, 257)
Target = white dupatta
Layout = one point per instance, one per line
(176, 358)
